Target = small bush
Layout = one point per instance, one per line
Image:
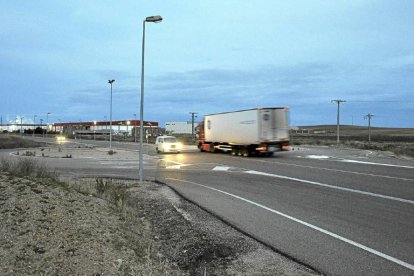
(110, 152)
(26, 167)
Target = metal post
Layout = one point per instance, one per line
(34, 125)
(135, 131)
(110, 118)
(47, 121)
(41, 123)
(192, 123)
(337, 119)
(21, 126)
(154, 19)
(141, 114)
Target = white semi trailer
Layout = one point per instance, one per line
(259, 131)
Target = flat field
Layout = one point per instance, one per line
(399, 141)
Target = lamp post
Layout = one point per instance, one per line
(135, 131)
(94, 130)
(152, 19)
(34, 124)
(21, 126)
(193, 115)
(41, 123)
(47, 121)
(110, 117)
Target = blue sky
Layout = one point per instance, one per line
(208, 56)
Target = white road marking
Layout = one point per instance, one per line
(336, 170)
(361, 246)
(373, 163)
(177, 167)
(325, 157)
(221, 168)
(317, 156)
(331, 186)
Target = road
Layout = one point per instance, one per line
(340, 211)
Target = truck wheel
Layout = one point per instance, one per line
(245, 153)
(212, 148)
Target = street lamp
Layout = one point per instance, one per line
(47, 121)
(34, 124)
(153, 19)
(21, 126)
(135, 130)
(110, 117)
(94, 129)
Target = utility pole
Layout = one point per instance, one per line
(338, 102)
(192, 123)
(369, 116)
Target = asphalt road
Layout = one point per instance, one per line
(340, 211)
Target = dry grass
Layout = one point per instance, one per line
(26, 167)
(8, 141)
(399, 141)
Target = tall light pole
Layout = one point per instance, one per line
(337, 119)
(192, 123)
(41, 123)
(34, 124)
(153, 19)
(110, 117)
(47, 121)
(135, 131)
(21, 125)
(369, 116)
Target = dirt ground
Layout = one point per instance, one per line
(119, 227)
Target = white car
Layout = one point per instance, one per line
(167, 144)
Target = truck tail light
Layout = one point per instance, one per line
(261, 148)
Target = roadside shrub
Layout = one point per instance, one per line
(26, 167)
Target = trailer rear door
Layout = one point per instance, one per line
(273, 126)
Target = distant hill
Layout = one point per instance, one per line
(357, 130)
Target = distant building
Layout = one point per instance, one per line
(179, 127)
(125, 127)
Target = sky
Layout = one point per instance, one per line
(207, 57)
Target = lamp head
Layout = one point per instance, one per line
(154, 19)
(111, 81)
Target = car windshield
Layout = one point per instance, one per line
(170, 140)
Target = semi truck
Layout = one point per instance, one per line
(259, 131)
